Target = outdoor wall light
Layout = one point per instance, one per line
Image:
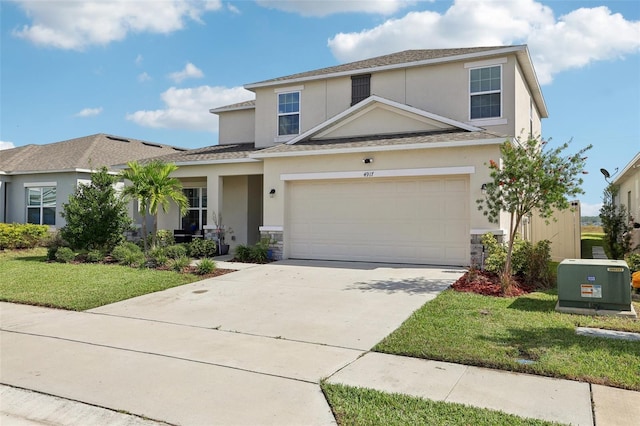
(367, 160)
(483, 188)
(272, 193)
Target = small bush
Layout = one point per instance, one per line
(259, 253)
(200, 248)
(496, 253)
(633, 260)
(22, 235)
(243, 253)
(536, 269)
(205, 266)
(180, 264)
(158, 257)
(129, 254)
(176, 251)
(95, 256)
(64, 255)
(164, 238)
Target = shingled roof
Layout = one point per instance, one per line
(399, 58)
(88, 152)
(214, 153)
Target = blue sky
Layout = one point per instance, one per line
(152, 69)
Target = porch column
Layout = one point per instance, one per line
(214, 203)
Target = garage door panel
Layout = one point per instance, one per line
(407, 220)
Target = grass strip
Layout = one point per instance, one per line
(358, 407)
(499, 333)
(27, 278)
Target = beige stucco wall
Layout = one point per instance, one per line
(237, 126)
(523, 105)
(440, 89)
(629, 196)
(274, 208)
(16, 194)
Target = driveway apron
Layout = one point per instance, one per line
(245, 348)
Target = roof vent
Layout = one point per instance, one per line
(152, 144)
(175, 148)
(114, 138)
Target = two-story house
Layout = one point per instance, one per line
(376, 160)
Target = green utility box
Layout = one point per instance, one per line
(597, 284)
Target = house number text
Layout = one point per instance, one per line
(368, 174)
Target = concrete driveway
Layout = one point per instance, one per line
(245, 348)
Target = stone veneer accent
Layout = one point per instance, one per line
(477, 248)
(276, 243)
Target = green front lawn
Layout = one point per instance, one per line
(357, 406)
(495, 332)
(27, 278)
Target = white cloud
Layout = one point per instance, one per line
(79, 24)
(587, 209)
(6, 145)
(144, 77)
(189, 108)
(89, 112)
(189, 71)
(139, 60)
(233, 9)
(329, 7)
(570, 41)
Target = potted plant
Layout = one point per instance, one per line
(221, 231)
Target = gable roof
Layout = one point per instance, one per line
(235, 107)
(371, 101)
(628, 170)
(84, 153)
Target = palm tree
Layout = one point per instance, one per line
(163, 190)
(153, 187)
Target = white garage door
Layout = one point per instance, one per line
(406, 220)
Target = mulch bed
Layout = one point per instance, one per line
(488, 284)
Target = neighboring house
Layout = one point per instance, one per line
(377, 160)
(36, 180)
(628, 182)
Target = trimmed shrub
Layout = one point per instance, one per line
(536, 268)
(243, 253)
(180, 264)
(95, 256)
(200, 248)
(22, 235)
(205, 266)
(164, 238)
(129, 254)
(175, 251)
(633, 260)
(496, 253)
(259, 252)
(64, 255)
(158, 257)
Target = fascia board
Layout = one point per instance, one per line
(632, 165)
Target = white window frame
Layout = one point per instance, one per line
(489, 92)
(41, 186)
(202, 191)
(285, 91)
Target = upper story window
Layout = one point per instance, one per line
(288, 113)
(360, 88)
(41, 205)
(485, 89)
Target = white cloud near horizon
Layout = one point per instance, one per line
(189, 108)
(571, 41)
(6, 145)
(189, 71)
(587, 209)
(75, 25)
(89, 112)
(321, 8)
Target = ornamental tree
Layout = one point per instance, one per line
(96, 216)
(530, 178)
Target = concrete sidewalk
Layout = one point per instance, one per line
(251, 348)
